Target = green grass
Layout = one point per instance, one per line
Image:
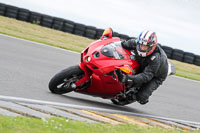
(62, 125)
(72, 42)
(41, 34)
(187, 70)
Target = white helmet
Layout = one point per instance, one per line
(146, 43)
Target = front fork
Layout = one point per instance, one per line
(86, 76)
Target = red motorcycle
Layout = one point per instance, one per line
(99, 73)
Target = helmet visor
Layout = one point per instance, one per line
(142, 47)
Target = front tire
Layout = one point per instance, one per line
(61, 82)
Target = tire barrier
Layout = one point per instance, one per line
(23, 14)
(115, 34)
(11, 11)
(46, 21)
(58, 23)
(90, 32)
(79, 29)
(132, 37)
(83, 30)
(168, 51)
(188, 57)
(123, 37)
(178, 54)
(35, 17)
(197, 60)
(2, 9)
(68, 26)
(99, 33)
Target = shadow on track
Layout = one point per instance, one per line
(98, 104)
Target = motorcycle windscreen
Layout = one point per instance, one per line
(114, 50)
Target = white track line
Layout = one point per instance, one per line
(25, 100)
(186, 79)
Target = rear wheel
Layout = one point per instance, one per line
(64, 81)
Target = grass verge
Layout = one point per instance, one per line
(41, 34)
(187, 70)
(72, 42)
(62, 125)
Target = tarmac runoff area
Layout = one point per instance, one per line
(14, 106)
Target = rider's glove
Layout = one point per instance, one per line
(123, 78)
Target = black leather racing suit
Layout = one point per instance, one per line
(153, 71)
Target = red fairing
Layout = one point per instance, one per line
(99, 61)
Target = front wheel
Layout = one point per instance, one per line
(62, 82)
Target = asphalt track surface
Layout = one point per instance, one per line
(26, 68)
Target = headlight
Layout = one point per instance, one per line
(88, 58)
(96, 55)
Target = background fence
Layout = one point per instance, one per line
(84, 30)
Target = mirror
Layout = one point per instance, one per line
(107, 33)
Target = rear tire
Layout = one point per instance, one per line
(65, 78)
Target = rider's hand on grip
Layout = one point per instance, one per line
(123, 77)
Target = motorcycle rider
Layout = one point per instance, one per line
(153, 65)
